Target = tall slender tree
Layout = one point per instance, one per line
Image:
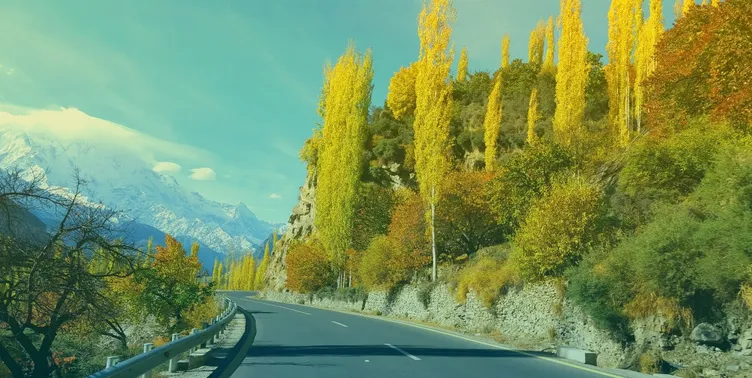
(505, 51)
(645, 62)
(532, 117)
(492, 123)
(462, 65)
(571, 75)
(548, 62)
(623, 16)
(536, 44)
(433, 89)
(346, 103)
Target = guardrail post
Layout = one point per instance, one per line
(112, 360)
(147, 348)
(216, 335)
(173, 367)
(193, 332)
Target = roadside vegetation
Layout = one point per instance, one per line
(630, 182)
(73, 292)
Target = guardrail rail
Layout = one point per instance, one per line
(143, 364)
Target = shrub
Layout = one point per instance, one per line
(487, 275)
(560, 227)
(308, 268)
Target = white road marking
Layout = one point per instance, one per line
(286, 308)
(402, 351)
(339, 324)
(368, 361)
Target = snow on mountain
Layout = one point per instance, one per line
(121, 178)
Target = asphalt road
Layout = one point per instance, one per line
(301, 342)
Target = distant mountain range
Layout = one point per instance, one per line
(154, 202)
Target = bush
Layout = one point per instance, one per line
(308, 267)
(522, 178)
(487, 275)
(345, 294)
(560, 227)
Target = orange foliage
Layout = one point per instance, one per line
(703, 68)
(308, 267)
(408, 232)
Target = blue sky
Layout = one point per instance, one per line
(237, 79)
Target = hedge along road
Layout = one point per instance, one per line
(301, 341)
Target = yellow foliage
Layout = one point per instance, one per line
(548, 63)
(505, 51)
(462, 65)
(401, 96)
(537, 40)
(160, 340)
(649, 362)
(558, 229)
(532, 117)
(202, 312)
(492, 123)
(645, 59)
(486, 276)
(647, 303)
(571, 76)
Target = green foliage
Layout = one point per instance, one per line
(373, 212)
(355, 294)
(487, 274)
(389, 142)
(560, 227)
(596, 89)
(375, 269)
(522, 178)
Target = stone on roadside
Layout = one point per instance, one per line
(707, 334)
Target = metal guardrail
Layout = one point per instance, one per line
(143, 364)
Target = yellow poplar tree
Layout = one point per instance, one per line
(623, 17)
(220, 276)
(433, 89)
(340, 158)
(715, 2)
(537, 39)
(215, 273)
(261, 272)
(548, 62)
(401, 96)
(505, 51)
(462, 65)
(571, 75)
(645, 62)
(491, 124)
(532, 117)
(249, 272)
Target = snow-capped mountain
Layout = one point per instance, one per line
(121, 179)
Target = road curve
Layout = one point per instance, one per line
(300, 341)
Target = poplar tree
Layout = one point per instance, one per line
(571, 75)
(462, 65)
(215, 272)
(548, 62)
(491, 124)
(220, 276)
(401, 96)
(537, 39)
(645, 61)
(348, 96)
(532, 117)
(261, 272)
(505, 51)
(624, 17)
(433, 89)
(715, 2)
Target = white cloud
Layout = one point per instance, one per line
(167, 167)
(275, 196)
(203, 174)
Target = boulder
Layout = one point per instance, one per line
(708, 334)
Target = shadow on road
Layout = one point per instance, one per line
(262, 312)
(376, 350)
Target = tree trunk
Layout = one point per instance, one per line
(433, 232)
(15, 369)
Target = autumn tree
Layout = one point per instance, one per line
(46, 280)
(492, 123)
(433, 90)
(536, 44)
(170, 287)
(348, 96)
(532, 117)
(260, 275)
(373, 213)
(505, 50)
(645, 60)
(401, 96)
(462, 65)
(702, 70)
(624, 17)
(548, 62)
(571, 75)
(308, 268)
